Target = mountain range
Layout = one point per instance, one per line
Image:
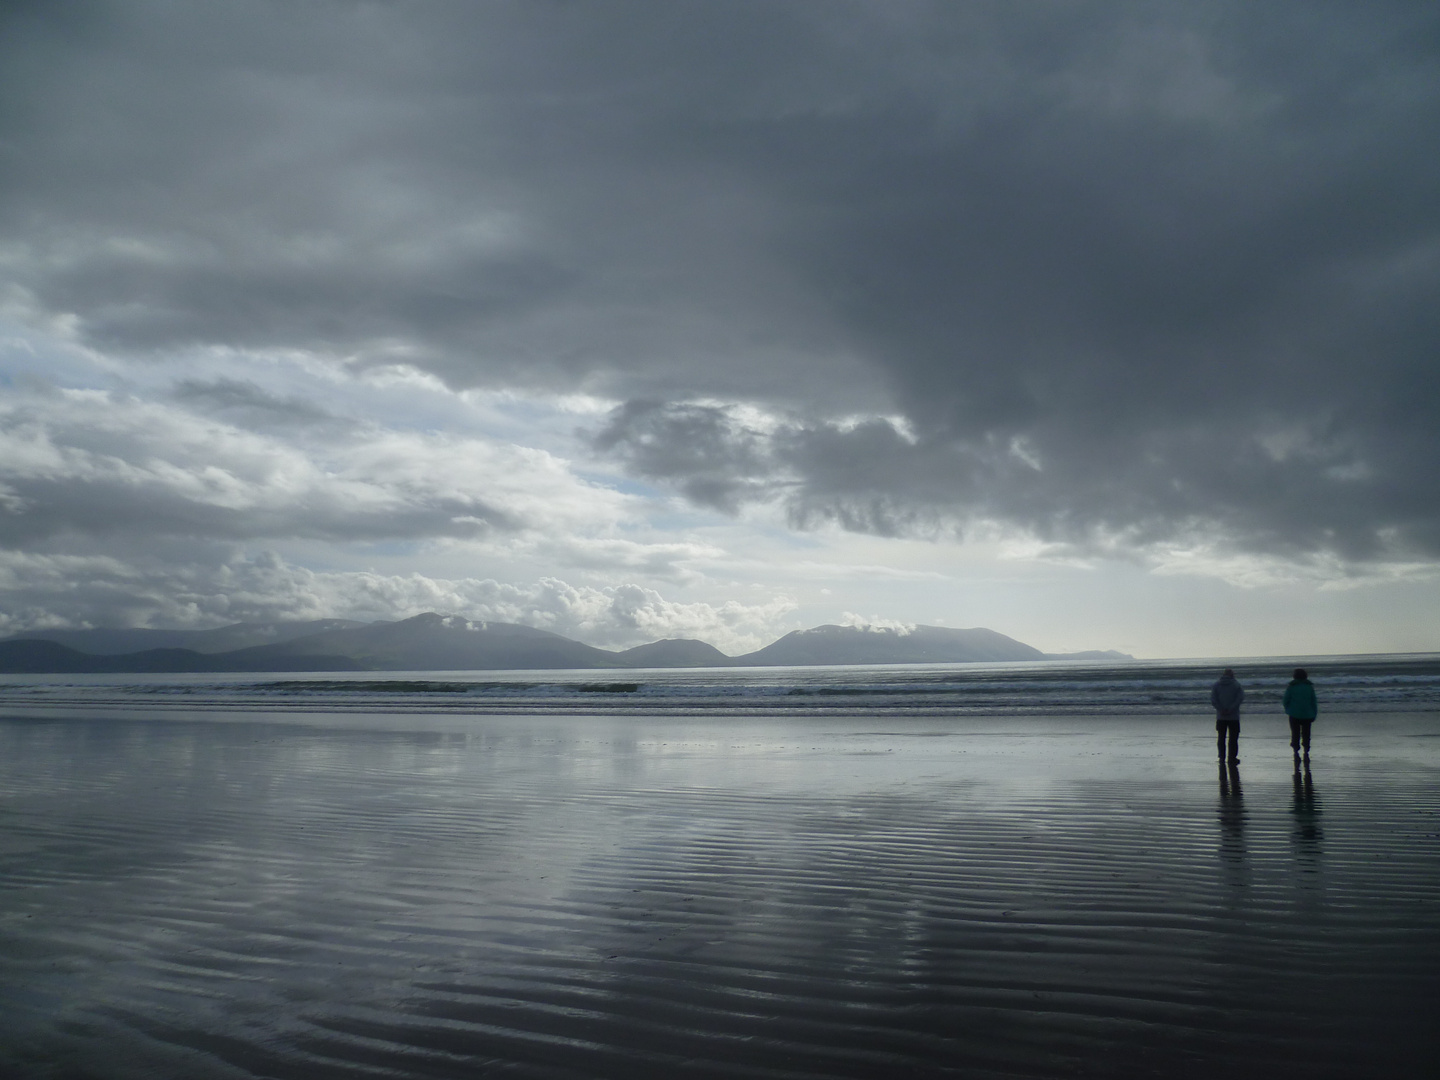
(432, 642)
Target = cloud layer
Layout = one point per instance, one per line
(1264, 481)
(1121, 278)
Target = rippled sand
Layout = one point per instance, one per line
(648, 897)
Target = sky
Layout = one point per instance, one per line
(1103, 325)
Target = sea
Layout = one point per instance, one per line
(1364, 683)
(978, 870)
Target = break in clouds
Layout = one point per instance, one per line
(1112, 277)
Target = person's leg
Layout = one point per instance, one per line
(1220, 739)
(1234, 727)
(1295, 735)
(1305, 735)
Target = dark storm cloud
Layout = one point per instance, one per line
(1220, 486)
(1125, 272)
(715, 461)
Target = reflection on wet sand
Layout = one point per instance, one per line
(1307, 834)
(1232, 814)
(642, 897)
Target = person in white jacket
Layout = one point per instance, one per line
(1226, 696)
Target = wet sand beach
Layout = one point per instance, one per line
(650, 896)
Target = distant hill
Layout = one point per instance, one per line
(36, 657)
(883, 645)
(105, 642)
(674, 652)
(433, 642)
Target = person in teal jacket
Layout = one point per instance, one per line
(1301, 708)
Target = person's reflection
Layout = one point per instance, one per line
(1306, 834)
(1232, 814)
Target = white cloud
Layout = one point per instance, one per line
(53, 591)
(97, 462)
(622, 615)
(875, 624)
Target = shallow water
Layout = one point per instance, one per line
(1408, 682)
(442, 895)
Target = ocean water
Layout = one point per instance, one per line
(1372, 683)
(971, 872)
